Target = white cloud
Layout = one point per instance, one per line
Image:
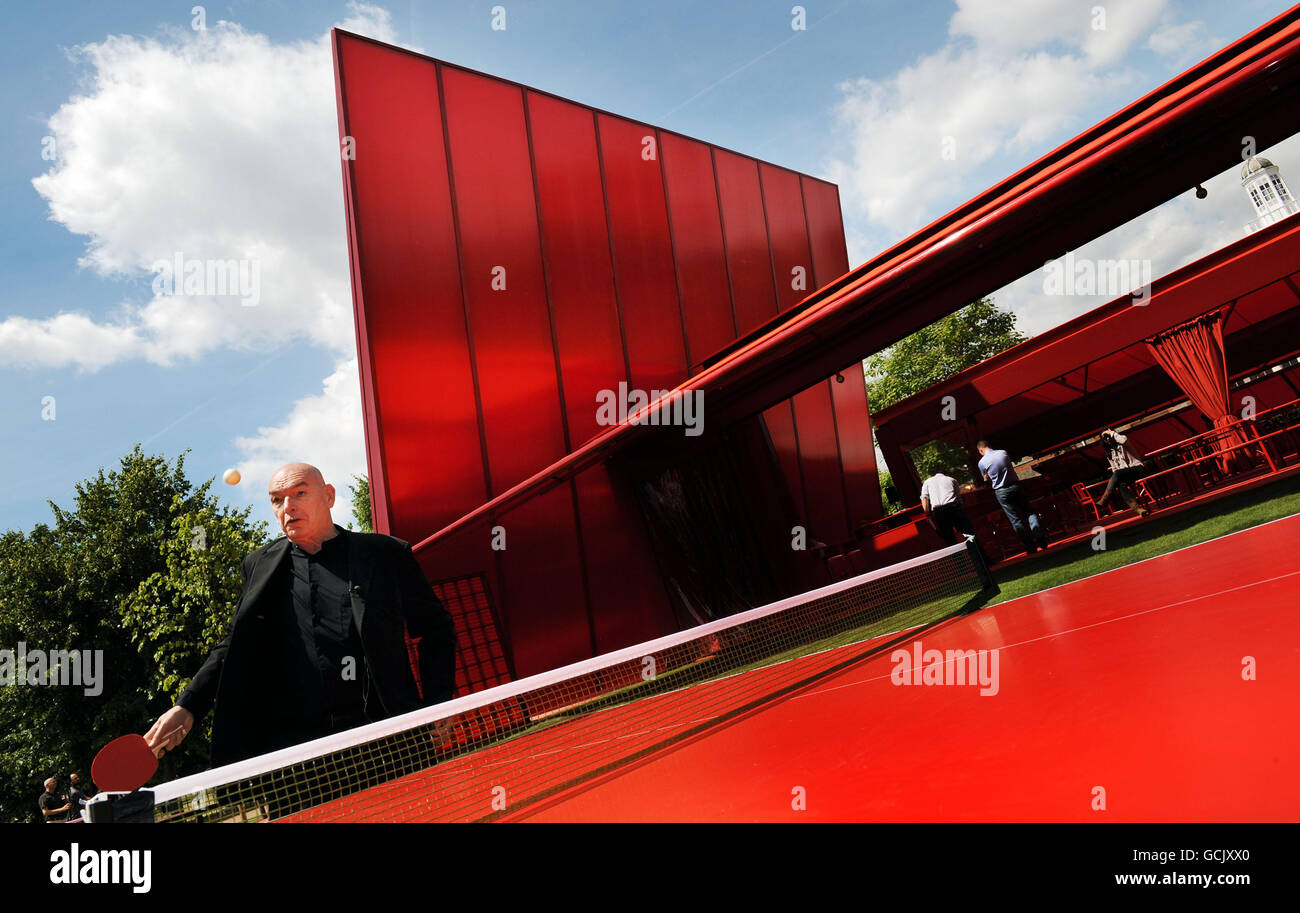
(214, 146)
(1185, 44)
(1014, 76)
(375, 21)
(217, 145)
(901, 165)
(324, 430)
(1102, 31)
(1010, 25)
(65, 339)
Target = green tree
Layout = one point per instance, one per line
(936, 352)
(145, 568)
(950, 458)
(179, 613)
(933, 354)
(361, 504)
(887, 493)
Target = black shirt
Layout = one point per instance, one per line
(322, 602)
(53, 801)
(78, 799)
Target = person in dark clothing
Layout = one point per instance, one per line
(53, 804)
(317, 643)
(77, 796)
(995, 465)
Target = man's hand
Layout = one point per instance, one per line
(170, 730)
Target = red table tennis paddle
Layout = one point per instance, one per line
(123, 765)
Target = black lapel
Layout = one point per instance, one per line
(266, 567)
(358, 575)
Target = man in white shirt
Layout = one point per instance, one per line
(942, 504)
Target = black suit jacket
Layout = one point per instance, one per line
(243, 681)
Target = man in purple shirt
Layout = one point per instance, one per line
(996, 467)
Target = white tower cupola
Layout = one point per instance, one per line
(1269, 196)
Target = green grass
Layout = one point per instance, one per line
(1159, 536)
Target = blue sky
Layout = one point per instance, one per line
(220, 143)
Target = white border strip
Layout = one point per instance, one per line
(309, 750)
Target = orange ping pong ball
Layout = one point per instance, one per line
(231, 476)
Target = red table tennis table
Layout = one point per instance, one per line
(1165, 690)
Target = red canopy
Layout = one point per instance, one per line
(1099, 368)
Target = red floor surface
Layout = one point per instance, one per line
(1130, 682)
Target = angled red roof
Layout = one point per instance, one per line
(1253, 280)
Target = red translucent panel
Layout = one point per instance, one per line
(643, 254)
(628, 602)
(788, 231)
(1262, 304)
(1166, 431)
(506, 273)
(780, 427)
(852, 416)
(994, 421)
(1272, 391)
(825, 230)
(501, 262)
(466, 551)
(697, 246)
(1076, 380)
(744, 227)
(1049, 394)
(819, 457)
(1117, 367)
(857, 452)
(410, 320)
(542, 601)
(579, 273)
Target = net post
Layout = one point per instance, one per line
(988, 586)
(131, 808)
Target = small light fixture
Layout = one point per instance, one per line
(1201, 192)
(839, 378)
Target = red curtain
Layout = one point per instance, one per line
(1192, 354)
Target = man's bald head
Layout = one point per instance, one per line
(295, 473)
(50, 784)
(302, 500)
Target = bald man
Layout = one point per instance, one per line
(54, 806)
(317, 642)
